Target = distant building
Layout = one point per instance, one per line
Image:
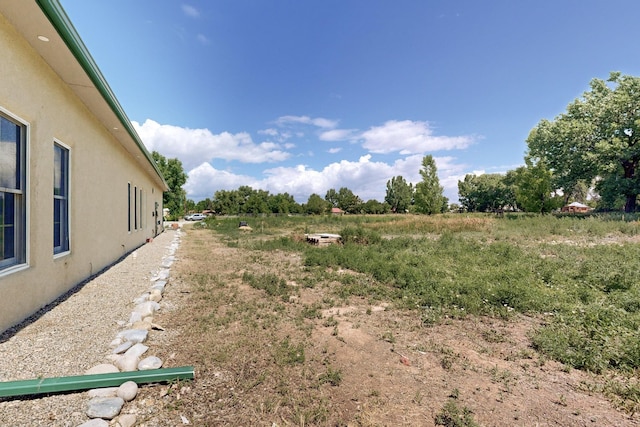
(337, 211)
(78, 189)
(576, 207)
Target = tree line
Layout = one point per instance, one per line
(589, 154)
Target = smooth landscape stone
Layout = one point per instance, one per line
(127, 363)
(156, 295)
(126, 420)
(103, 392)
(122, 347)
(104, 407)
(134, 335)
(135, 317)
(137, 350)
(148, 363)
(142, 298)
(163, 274)
(103, 368)
(115, 343)
(96, 422)
(128, 391)
(159, 285)
(147, 308)
(143, 324)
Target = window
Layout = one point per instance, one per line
(12, 192)
(129, 206)
(60, 199)
(135, 208)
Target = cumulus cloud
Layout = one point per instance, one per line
(410, 137)
(366, 178)
(193, 146)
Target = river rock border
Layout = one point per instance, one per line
(128, 349)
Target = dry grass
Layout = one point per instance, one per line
(278, 352)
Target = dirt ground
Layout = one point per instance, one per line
(316, 359)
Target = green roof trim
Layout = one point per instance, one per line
(61, 22)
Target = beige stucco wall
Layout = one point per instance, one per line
(100, 171)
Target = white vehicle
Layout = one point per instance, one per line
(195, 217)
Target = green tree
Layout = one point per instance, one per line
(534, 192)
(375, 207)
(399, 194)
(487, 192)
(344, 199)
(598, 137)
(283, 204)
(174, 175)
(332, 197)
(316, 205)
(429, 198)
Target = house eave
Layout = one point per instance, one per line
(67, 55)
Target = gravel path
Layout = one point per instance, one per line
(74, 336)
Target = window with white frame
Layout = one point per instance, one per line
(13, 140)
(60, 199)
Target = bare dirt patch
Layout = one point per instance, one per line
(308, 357)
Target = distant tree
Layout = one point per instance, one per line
(332, 197)
(283, 204)
(487, 192)
(534, 192)
(189, 206)
(597, 138)
(399, 194)
(175, 177)
(204, 205)
(316, 205)
(349, 202)
(429, 197)
(375, 207)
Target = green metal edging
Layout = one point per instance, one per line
(54, 11)
(86, 382)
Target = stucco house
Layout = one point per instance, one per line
(78, 189)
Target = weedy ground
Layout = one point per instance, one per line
(450, 320)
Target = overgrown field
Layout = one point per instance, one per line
(454, 320)
(580, 273)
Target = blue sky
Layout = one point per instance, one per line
(301, 96)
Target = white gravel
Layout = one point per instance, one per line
(74, 336)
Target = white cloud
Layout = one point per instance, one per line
(366, 178)
(190, 11)
(306, 120)
(410, 137)
(334, 150)
(205, 180)
(337, 134)
(193, 146)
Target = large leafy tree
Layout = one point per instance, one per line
(487, 192)
(344, 199)
(399, 194)
(597, 139)
(429, 198)
(175, 177)
(533, 189)
(316, 205)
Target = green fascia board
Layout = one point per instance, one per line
(86, 382)
(60, 20)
